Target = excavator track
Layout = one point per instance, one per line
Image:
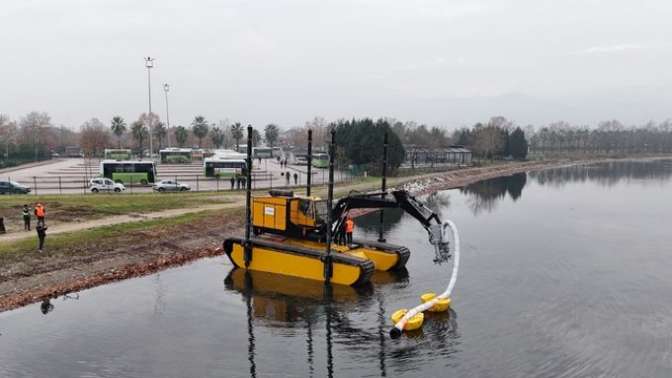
(403, 253)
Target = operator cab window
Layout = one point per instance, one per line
(320, 211)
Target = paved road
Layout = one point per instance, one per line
(71, 176)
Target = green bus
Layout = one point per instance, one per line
(117, 154)
(175, 155)
(320, 160)
(129, 171)
(225, 166)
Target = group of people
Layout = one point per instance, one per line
(40, 213)
(283, 162)
(238, 182)
(288, 177)
(348, 227)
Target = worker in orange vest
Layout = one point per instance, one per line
(349, 227)
(40, 212)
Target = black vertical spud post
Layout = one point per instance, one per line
(383, 189)
(310, 162)
(248, 198)
(328, 265)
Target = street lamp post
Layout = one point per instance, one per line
(166, 88)
(149, 64)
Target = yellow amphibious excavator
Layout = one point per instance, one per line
(293, 235)
(291, 231)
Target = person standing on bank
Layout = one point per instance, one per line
(40, 212)
(26, 218)
(349, 228)
(41, 229)
(233, 182)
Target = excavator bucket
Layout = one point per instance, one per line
(438, 237)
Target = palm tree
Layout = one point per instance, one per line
(199, 127)
(237, 133)
(139, 133)
(271, 133)
(256, 137)
(217, 136)
(160, 133)
(181, 135)
(118, 127)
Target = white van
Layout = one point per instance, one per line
(102, 184)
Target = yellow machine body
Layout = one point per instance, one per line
(299, 262)
(278, 213)
(383, 259)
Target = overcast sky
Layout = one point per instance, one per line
(440, 62)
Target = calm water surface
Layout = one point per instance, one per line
(565, 272)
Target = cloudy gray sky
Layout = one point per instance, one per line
(440, 62)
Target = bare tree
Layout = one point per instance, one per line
(94, 137)
(33, 129)
(8, 133)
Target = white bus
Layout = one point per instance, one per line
(225, 163)
(266, 152)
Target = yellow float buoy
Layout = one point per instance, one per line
(412, 324)
(441, 305)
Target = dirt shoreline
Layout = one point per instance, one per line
(35, 277)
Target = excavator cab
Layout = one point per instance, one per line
(282, 212)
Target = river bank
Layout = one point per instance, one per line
(92, 257)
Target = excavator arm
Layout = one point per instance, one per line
(400, 199)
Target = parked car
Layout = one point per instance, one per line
(170, 186)
(105, 185)
(13, 187)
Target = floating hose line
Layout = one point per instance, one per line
(442, 300)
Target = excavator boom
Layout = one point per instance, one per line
(399, 199)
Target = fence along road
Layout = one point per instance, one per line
(71, 176)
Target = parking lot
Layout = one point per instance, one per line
(72, 175)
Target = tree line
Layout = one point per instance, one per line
(609, 137)
(34, 136)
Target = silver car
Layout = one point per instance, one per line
(170, 186)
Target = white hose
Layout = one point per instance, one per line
(396, 331)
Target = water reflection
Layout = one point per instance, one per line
(370, 222)
(484, 195)
(46, 306)
(296, 303)
(438, 202)
(607, 174)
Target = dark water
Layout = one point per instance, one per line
(565, 273)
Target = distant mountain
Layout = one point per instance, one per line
(636, 105)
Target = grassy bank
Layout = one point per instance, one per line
(77, 207)
(87, 241)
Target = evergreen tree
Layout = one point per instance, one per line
(361, 143)
(518, 144)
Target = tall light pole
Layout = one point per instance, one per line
(149, 64)
(166, 88)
